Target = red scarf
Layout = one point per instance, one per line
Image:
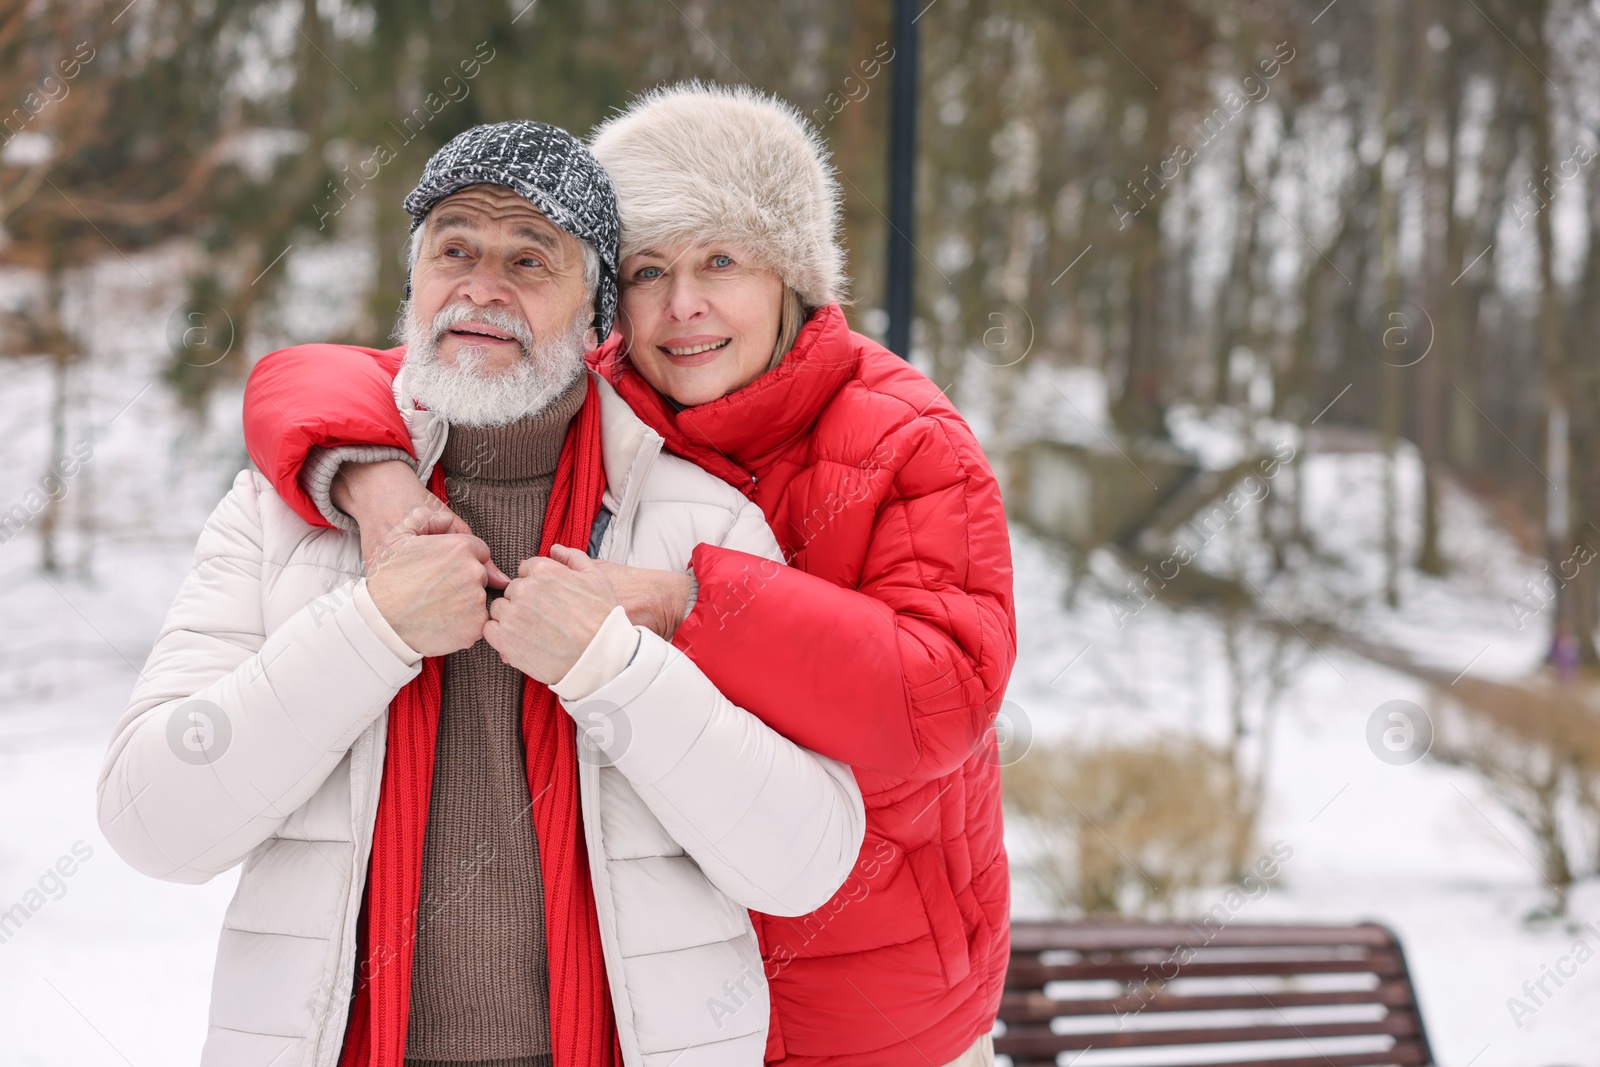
(583, 1031)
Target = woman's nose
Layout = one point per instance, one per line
(686, 298)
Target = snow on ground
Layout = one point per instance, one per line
(102, 965)
(1423, 848)
(111, 967)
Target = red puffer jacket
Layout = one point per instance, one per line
(886, 643)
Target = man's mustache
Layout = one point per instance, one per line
(499, 318)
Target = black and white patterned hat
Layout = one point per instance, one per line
(546, 166)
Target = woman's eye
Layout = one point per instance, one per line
(722, 261)
(647, 274)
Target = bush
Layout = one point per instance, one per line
(1131, 829)
(1536, 743)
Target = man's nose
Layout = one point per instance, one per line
(486, 284)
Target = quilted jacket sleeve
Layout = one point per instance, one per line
(899, 666)
(231, 729)
(319, 396)
(776, 827)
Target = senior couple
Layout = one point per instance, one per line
(581, 697)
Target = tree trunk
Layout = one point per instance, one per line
(1573, 629)
(1139, 412)
(1388, 29)
(1439, 168)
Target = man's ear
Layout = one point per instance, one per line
(591, 338)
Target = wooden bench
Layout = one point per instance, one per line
(1188, 993)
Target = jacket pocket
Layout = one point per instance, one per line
(944, 917)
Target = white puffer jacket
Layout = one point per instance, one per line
(702, 812)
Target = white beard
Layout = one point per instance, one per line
(462, 393)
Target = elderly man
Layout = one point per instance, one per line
(438, 868)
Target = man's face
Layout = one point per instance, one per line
(491, 253)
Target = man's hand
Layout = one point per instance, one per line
(380, 496)
(656, 600)
(428, 582)
(551, 611)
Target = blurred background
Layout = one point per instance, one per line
(1278, 321)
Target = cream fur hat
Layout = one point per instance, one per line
(697, 162)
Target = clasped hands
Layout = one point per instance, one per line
(428, 573)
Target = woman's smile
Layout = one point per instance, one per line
(693, 351)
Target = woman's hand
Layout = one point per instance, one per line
(550, 613)
(380, 496)
(656, 600)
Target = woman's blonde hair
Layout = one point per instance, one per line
(791, 317)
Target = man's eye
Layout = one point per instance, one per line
(529, 261)
(722, 261)
(454, 251)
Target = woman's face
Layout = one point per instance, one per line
(698, 321)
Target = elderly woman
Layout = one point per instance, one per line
(887, 639)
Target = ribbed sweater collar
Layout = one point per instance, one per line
(527, 448)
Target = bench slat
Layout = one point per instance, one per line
(1093, 936)
(1409, 1055)
(1033, 1040)
(1034, 1006)
(1028, 974)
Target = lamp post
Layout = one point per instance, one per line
(902, 176)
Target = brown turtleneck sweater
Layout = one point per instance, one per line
(479, 980)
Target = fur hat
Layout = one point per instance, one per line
(698, 162)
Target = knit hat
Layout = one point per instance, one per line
(546, 166)
(698, 162)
